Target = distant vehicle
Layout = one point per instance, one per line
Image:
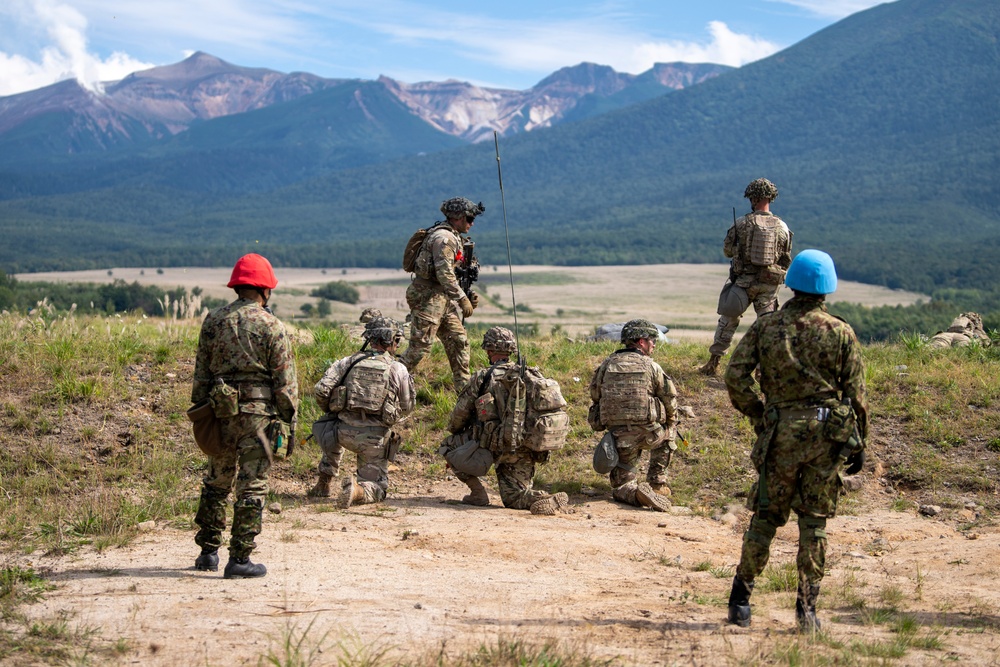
(614, 332)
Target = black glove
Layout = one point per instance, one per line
(855, 462)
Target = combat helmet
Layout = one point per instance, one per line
(812, 272)
(368, 314)
(638, 329)
(382, 331)
(499, 339)
(761, 188)
(253, 270)
(456, 207)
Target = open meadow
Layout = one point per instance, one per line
(99, 479)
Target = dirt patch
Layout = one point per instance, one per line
(421, 572)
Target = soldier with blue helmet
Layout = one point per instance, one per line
(812, 421)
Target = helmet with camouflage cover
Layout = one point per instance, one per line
(368, 314)
(761, 188)
(457, 207)
(638, 329)
(383, 331)
(499, 339)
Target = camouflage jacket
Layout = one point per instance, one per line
(736, 246)
(247, 347)
(437, 258)
(463, 414)
(806, 356)
(656, 383)
(400, 394)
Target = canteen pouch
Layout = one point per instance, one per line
(594, 417)
(279, 434)
(842, 428)
(225, 399)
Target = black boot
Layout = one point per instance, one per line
(242, 568)
(739, 603)
(805, 608)
(208, 561)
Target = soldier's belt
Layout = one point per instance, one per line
(819, 414)
(255, 393)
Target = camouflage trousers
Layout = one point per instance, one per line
(764, 299)
(433, 314)
(368, 443)
(246, 463)
(630, 444)
(800, 472)
(515, 478)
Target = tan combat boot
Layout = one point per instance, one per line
(351, 493)
(646, 497)
(322, 488)
(478, 497)
(711, 367)
(661, 489)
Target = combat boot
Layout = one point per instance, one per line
(661, 489)
(242, 568)
(712, 366)
(646, 497)
(805, 609)
(478, 497)
(351, 493)
(739, 603)
(322, 488)
(207, 561)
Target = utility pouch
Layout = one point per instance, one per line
(594, 417)
(338, 399)
(841, 428)
(486, 408)
(279, 434)
(225, 400)
(392, 443)
(207, 434)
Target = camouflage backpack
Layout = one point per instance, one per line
(413, 247)
(521, 411)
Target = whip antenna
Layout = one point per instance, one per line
(510, 266)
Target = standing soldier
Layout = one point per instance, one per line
(813, 419)
(637, 403)
(245, 366)
(515, 469)
(760, 246)
(438, 305)
(364, 396)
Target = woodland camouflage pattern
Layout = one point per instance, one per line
(365, 434)
(515, 471)
(249, 348)
(655, 433)
(432, 298)
(807, 359)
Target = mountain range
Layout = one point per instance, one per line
(882, 133)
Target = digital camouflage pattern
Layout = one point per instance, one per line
(639, 383)
(433, 297)
(807, 359)
(761, 284)
(247, 347)
(500, 339)
(365, 433)
(761, 188)
(515, 471)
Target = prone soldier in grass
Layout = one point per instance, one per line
(811, 422)
(246, 368)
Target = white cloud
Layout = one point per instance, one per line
(65, 57)
(831, 9)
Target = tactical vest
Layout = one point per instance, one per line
(423, 266)
(759, 249)
(627, 392)
(367, 389)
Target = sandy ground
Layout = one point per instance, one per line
(421, 574)
(680, 296)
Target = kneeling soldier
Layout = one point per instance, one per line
(364, 396)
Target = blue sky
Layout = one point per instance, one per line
(509, 44)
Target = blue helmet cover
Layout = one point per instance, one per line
(812, 272)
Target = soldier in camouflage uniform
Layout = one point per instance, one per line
(515, 471)
(246, 367)
(637, 402)
(437, 303)
(747, 270)
(812, 420)
(964, 329)
(365, 395)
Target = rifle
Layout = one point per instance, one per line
(467, 270)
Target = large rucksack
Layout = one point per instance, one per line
(521, 411)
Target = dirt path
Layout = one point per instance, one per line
(421, 573)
